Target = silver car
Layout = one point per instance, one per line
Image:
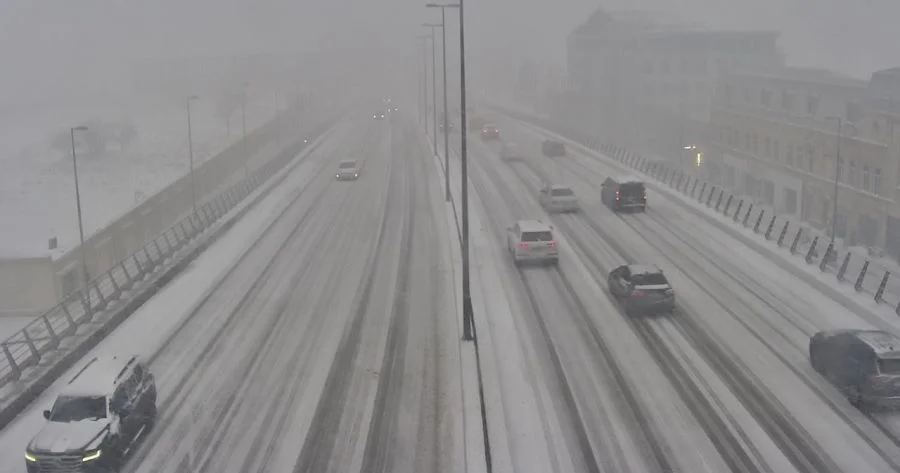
(558, 199)
(532, 241)
(347, 170)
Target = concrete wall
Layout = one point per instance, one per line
(33, 285)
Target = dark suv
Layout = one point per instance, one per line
(641, 289)
(553, 149)
(97, 418)
(624, 193)
(863, 364)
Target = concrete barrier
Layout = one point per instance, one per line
(30, 286)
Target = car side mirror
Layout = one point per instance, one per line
(46, 413)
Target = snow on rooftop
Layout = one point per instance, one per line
(629, 180)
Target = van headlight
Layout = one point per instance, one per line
(29, 457)
(90, 456)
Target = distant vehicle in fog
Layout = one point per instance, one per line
(347, 170)
(490, 132)
(553, 149)
(556, 198)
(511, 152)
(378, 115)
(624, 193)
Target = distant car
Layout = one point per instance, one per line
(641, 289)
(378, 115)
(624, 193)
(553, 149)
(532, 241)
(490, 132)
(556, 198)
(96, 419)
(511, 152)
(863, 364)
(347, 170)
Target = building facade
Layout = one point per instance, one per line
(643, 81)
(783, 138)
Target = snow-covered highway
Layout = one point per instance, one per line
(724, 384)
(321, 334)
(326, 347)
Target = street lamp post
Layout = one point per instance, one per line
(424, 39)
(82, 251)
(191, 153)
(244, 127)
(446, 111)
(468, 316)
(837, 172)
(434, 84)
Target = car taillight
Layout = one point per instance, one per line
(551, 244)
(523, 246)
(636, 293)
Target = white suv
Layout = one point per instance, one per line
(532, 241)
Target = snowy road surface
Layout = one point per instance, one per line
(326, 347)
(723, 384)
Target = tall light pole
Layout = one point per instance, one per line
(244, 127)
(837, 172)
(446, 111)
(191, 152)
(423, 95)
(434, 83)
(82, 251)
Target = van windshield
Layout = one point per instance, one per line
(889, 366)
(347, 165)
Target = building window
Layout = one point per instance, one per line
(810, 158)
(876, 128)
(775, 154)
(787, 100)
(876, 182)
(841, 175)
(851, 176)
(749, 143)
(866, 178)
(765, 98)
(812, 105)
(789, 156)
(768, 147)
(755, 149)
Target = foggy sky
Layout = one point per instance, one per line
(46, 44)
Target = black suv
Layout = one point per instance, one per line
(97, 418)
(863, 364)
(641, 289)
(624, 193)
(553, 149)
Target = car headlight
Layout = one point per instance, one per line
(29, 457)
(337, 176)
(91, 456)
(356, 174)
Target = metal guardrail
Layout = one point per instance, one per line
(865, 275)
(104, 294)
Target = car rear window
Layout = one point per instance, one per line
(653, 279)
(889, 366)
(347, 164)
(562, 192)
(537, 236)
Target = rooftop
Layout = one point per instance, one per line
(533, 225)
(627, 179)
(98, 377)
(804, 74)
(643, 269)
(881, 342)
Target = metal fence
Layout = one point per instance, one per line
(85, 310)
(865, 275)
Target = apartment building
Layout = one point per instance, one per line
(783, 136)
(641, 79)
